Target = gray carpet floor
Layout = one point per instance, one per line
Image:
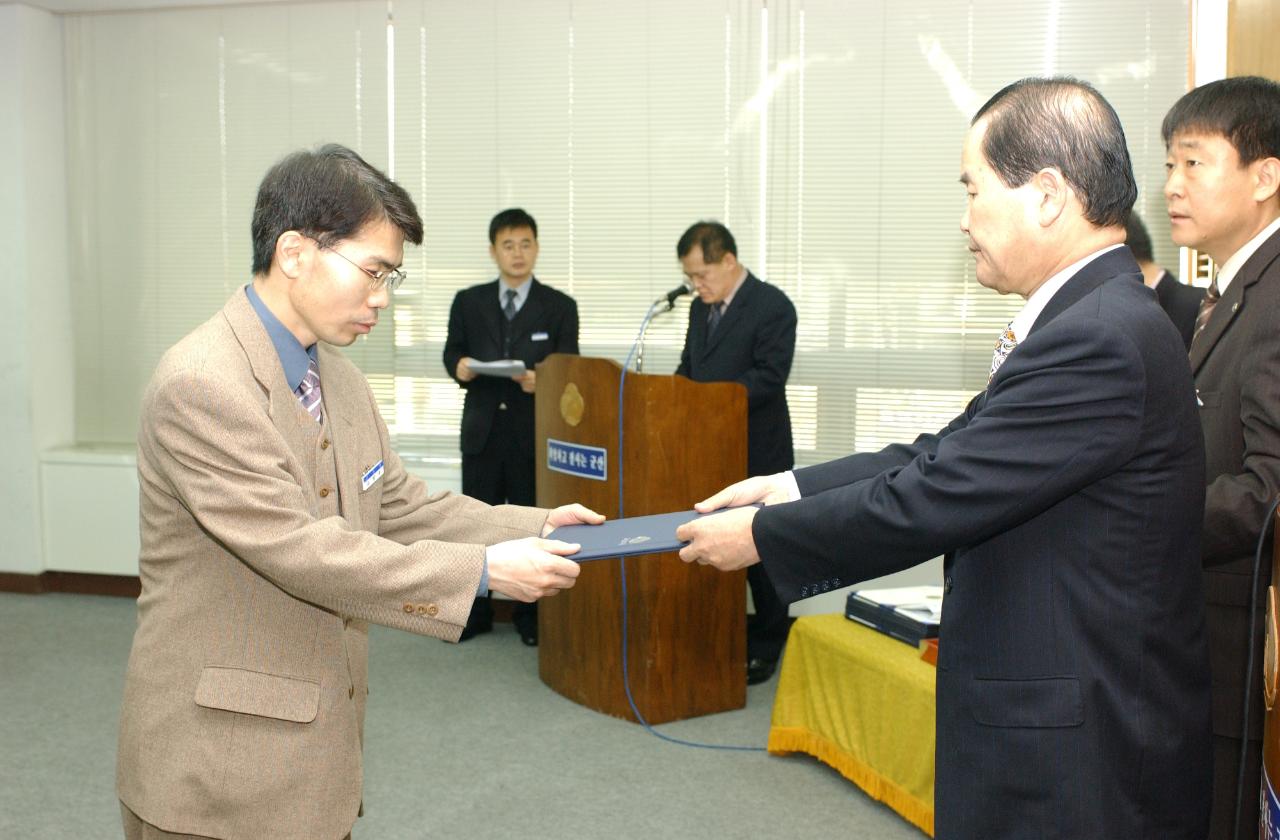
(461, 741)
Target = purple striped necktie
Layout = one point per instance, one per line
(309, 391)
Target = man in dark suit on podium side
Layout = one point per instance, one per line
(1179, 301)
(513, 317)
(1223, 191)
(742, 329)
(1073, 676)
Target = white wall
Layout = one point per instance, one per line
(36, 409)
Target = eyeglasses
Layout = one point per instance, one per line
(391, 278)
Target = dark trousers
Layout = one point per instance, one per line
(1226, 768)
(499, 474)
(767, 629)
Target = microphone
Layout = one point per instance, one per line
(679, 291)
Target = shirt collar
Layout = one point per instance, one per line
(1026, 318)
(522, 292)
(1236, 261)
(294, 358)
(728, 299)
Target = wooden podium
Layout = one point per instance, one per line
(686, 633)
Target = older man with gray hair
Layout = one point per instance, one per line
(1073, 679)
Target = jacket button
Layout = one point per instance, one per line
(502, 406)
(324, 444)
(324, 492)
(946, 585)
(432, 610)
(408, 608)
(422, 609)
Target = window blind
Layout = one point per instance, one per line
(826, 135)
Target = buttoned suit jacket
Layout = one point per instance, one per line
(1236, 364)
(754, 344)
(1072, 685)
(1181, 303)
(245, 693)
(546, 324)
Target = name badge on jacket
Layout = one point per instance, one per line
(539, 336)
(371, 475)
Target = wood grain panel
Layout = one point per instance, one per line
(686, 632)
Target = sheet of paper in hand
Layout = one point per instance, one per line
(502, 367)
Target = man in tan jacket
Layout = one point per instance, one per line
(277, 521)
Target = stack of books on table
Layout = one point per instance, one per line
(909, 614)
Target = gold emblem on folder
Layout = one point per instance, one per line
(572, 405)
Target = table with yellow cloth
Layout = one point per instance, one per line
(864, 704)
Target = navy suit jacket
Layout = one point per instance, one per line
(546, 324)
(1073, 678)
(754, 345)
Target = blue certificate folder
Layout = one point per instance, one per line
(627, 537)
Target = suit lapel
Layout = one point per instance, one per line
(284, 409)
(1232, 301)
(1110, 265)
(295, 425)
(733, 314)
(697, 329)
(491, 313)
(341, 412)
(528, 314)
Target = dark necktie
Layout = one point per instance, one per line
(309, 391)
(713, 318)
(1211, 298)
(509, 308)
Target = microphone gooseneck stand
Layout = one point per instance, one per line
(637, 350)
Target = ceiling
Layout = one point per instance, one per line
(101, 6)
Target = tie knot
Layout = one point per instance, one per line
(309, 391)
(1004, 347)
(1212, 293)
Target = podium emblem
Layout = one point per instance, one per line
(572, 405)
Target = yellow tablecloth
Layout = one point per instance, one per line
(864, 704)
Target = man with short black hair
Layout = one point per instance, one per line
(517, 317)
(1073, 689)
(1223, 192)
(277, 523)
(1179, 301)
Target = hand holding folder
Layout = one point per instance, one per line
(636, 535)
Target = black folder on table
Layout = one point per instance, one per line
(894, 616)
(627, 537)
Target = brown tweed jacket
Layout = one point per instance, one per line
(245, 693)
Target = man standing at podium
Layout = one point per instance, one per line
(741, 329)
(513, 317)
(1073, 674)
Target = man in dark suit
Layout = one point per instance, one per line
(741, 329)
(1223, 192)
(1073, 685)
(513, 317)
(1179, 301)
